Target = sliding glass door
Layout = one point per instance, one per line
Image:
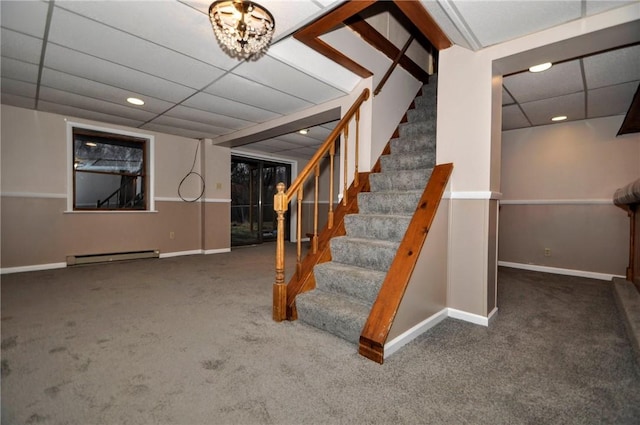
(253, 184)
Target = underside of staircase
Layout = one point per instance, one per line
(348, 285)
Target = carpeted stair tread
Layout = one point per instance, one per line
(408, 161)
(348, 285)
(390, 227)
(413, 144)
(340, 315)
(400, 180)
(367, 253)
(389, 202)
(349, 280)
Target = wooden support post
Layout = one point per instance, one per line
(279, 287)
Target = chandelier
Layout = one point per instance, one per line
(243, 28)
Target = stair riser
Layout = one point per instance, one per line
(407, 161)
(399, 180)
(346, 327)
(356, 283)
(420, 128)
(401, 203)
(361, 254)
(421, 114)
(411, 145)
(390, 228)
(327, 321)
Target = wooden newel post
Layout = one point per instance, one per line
(279, 287)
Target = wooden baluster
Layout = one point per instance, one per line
(332, 154)
(299, 238)
(314, 241)
(345, 148)
(356, 178)
(279, 287)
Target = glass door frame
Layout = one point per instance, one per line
(263, 162)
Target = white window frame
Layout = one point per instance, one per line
(150, 168)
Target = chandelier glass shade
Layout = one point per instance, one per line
(243, 28)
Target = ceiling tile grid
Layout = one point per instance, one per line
(100, 52)
(540, 112)
(561, 79)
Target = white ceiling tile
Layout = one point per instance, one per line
(19, 101)
(18, 88)
(288, 14)
(27, 17)
(19, 70)
(170, 129)
(321, 67)
(72, 111)
(172, 24)
(560, 79)
(274, 145)
(280, 76)
(209, 118)
(219, 105)
(300, 139)
(251, 93)
(128, 50)
(612, 100)
(599, 72)
(205, 130)
(493, 22)
(445, 21)
(69, 83)
(540, 112)
(91, 104)
(21, 47)
(93, 68)
(512, 117)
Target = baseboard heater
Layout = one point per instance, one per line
(74, 260)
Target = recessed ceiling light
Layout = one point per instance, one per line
(304, 131)
(91, 144)
(541, 67)
(135, 101)
(559, 118)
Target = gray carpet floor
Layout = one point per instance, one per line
(190, 340)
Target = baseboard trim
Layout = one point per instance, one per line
(409, 335)
(557, 270)
(180, 253)
(216, 251)
(470, 317)
(35, 268)
(51, 266)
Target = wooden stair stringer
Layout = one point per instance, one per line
(383, 312)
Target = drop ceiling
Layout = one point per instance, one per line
(84, 58)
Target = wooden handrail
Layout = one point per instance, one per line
(395, 63)
(328, 143)
(282, 199)
(384, 309)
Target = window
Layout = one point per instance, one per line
(110, 171)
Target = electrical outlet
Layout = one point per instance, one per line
(218, 186)
(172, 235)
(547, 252)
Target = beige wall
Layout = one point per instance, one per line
(426, 294)
(37, 228)
(557, 183)
(469, 136)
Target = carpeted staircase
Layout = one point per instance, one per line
(347, 286)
